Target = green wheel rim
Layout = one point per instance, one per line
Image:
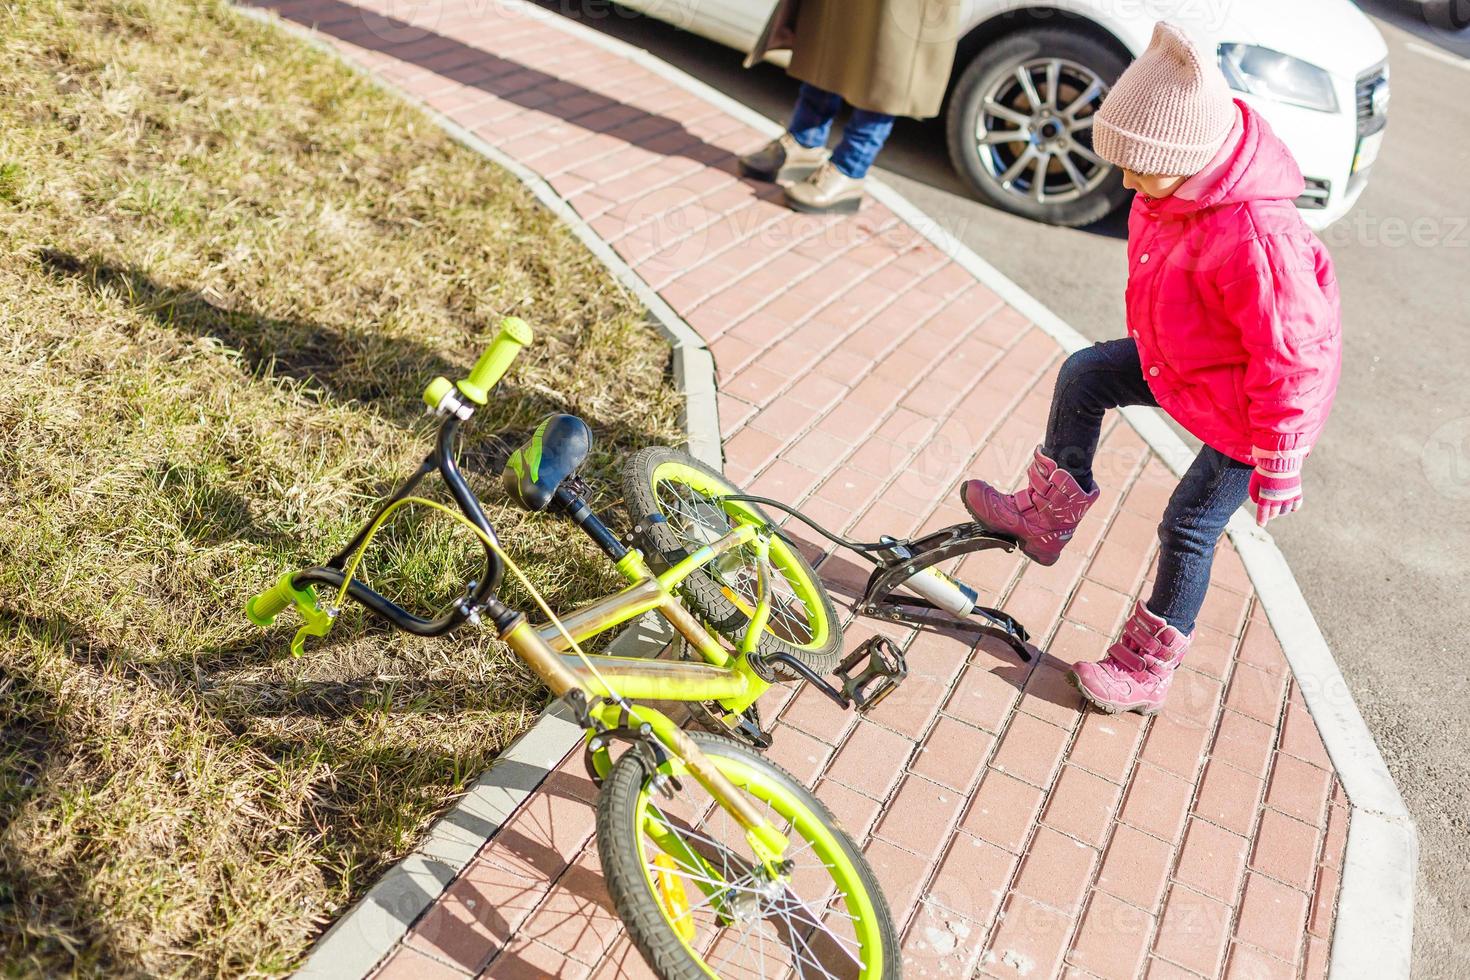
(801, 623)
(844, 927)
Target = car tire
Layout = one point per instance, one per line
(995, 74)
(1452, 16)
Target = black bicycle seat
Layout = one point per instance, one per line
(557, 447)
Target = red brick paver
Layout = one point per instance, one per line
(861, 373)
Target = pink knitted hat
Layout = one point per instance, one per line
(1168, 113)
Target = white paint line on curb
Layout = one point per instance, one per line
(1373, 937)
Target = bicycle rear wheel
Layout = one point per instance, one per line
(676, 499)
(698, 904)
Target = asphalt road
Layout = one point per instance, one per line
(1382, 548)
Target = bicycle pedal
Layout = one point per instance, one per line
(884, 669)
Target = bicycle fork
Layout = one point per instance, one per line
(768, 843)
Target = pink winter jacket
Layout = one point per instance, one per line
(1233, 303)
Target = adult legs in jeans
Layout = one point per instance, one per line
(862, 137)
(811, 120)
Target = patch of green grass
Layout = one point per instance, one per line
(227, 268)
(10, 177)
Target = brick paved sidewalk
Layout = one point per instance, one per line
(861, 373)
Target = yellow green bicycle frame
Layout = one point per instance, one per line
(602, 688)
(725, 678)
(609, 682)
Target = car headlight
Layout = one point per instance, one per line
(1261, 71)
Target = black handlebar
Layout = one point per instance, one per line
(480, 594)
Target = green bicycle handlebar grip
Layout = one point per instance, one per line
(514, 334)
(262, 609)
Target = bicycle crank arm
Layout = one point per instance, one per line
(810, 676)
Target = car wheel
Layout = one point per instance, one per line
(1020, 126)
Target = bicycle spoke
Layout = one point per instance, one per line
(852, 949)
(747, 925)
(697, 520)
(811, 957)
(788, 610)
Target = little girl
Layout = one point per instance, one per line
(1232, 329)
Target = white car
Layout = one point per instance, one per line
(1029, 75)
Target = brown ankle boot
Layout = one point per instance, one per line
(783, 159)
(827, 191)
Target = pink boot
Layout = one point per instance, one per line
(1135, 674)
(1042, 515)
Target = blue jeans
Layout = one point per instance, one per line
(1109, 375)
(862, 137)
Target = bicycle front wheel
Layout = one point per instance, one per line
(678, 500)
(698, 904)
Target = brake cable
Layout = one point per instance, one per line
(859, 546)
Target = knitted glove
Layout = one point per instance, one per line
(1276, 484)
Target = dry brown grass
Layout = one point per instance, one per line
(228, 268)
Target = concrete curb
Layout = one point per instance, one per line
(1373, 937)
(369, 931)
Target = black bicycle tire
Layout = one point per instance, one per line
(703, 594)
(627, 884)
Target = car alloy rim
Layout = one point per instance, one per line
(1034, 131)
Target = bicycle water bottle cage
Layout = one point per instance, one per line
(556, 449)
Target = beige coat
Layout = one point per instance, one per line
(890, 56)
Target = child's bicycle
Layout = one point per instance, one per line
(717, 860)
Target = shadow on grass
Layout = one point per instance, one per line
(45, 916)
(312, 353)
(209, 512)
(36, 929)
(42, 914)
(29, 737)
(319, 357)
